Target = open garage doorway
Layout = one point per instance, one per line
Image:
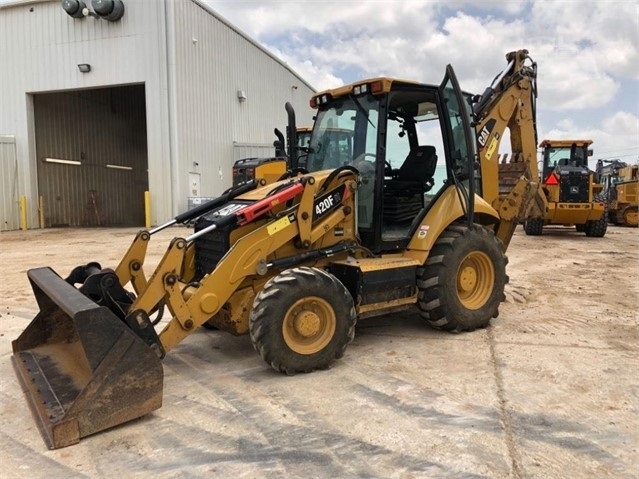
(91, 148)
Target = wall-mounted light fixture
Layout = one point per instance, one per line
(84, 67)
(74, 8)
(241, 96)
(119, 167)
(111, 10)
(61, 161)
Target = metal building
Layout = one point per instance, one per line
(96, 111)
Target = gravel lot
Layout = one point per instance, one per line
(549, 390)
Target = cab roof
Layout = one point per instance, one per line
(375, 85)
(564, 143)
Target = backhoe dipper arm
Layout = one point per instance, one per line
(511, 188)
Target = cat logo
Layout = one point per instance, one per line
(482, 138)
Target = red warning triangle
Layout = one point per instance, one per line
(551, 179)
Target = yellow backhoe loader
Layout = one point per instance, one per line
(620, 182)
(296, 262)
(571, 190)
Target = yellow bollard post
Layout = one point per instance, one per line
(23, 213)
(147, 209)
(41, 211)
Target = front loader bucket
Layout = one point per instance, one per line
(82, 369)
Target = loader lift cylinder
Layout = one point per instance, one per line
(208, 206)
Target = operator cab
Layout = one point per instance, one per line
(408, 141)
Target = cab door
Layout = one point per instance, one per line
(459, 137)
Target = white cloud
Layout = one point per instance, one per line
(615, 136)
(622, 123)
(587, 52)
(309, 71)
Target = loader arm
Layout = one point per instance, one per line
(511, 187)
(191, 305)
(131, 266)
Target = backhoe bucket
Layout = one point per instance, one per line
(82, 369)
(509, 175)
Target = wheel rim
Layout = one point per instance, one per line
(309, 325)
(631, 217)
(475, 280)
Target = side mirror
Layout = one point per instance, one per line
(111, 10)
(590, 151)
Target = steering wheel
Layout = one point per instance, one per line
(366, 170)
(388, 169)
(365, 166)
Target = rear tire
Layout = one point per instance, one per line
(534, 226)
(597, 229)
(302, 320)
(462, 282)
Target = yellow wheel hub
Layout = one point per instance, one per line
(475, 280)
(309, 325)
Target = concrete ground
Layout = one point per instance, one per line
(549, 390)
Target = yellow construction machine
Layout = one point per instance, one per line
(571, 190)
(620, 182)
(295, 158)
(271, 169)
(296, 262)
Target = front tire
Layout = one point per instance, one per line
(597, 229)
(534, 226)
(302, 320)
(462, 282)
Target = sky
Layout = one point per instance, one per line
(586, 52)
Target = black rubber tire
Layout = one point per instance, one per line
(439, 280)
(534, 226)
(597, 229)
(300, 293)
(581, 227)
(209, 326)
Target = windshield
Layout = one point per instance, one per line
(343, 134)
(562, 157)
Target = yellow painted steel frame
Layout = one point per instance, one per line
(192, 306)
(574, 213)
(131, 267)
(270, 171)
(447, 210)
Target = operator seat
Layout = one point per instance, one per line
(419, 168)
(404, 193)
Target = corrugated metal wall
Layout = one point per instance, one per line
(191, 66)
(252, 150)
(213, 62)
(97, 128)
(9, 212)
(40, 49)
